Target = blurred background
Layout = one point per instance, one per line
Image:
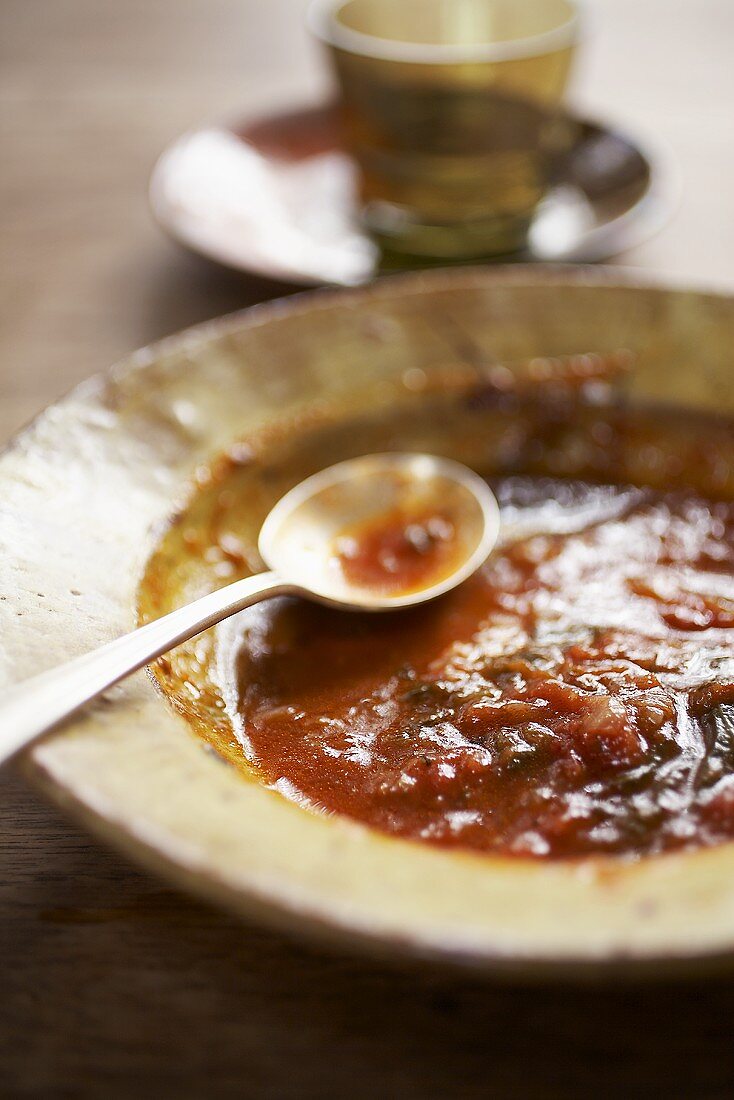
(93, 91)
(114, 985)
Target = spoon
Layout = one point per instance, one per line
(376, 533)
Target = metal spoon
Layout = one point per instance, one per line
(297, 542)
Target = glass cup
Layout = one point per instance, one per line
(451, 110)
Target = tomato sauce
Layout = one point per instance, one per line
(401, 552)
(576, 696)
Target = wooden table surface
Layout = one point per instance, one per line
(112, 984)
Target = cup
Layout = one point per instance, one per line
(451, 110)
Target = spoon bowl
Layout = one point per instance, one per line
(418, 524)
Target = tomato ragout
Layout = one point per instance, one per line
(575, 697)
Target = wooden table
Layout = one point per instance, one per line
(112, 985)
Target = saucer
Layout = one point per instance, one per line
(277, 197)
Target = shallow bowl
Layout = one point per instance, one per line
(84, 492)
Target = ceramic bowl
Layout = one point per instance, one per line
(85, 490)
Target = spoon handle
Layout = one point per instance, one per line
(37, 705)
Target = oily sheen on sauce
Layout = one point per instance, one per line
(576, 696)
(404, 551)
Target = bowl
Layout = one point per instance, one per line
(86, 492)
